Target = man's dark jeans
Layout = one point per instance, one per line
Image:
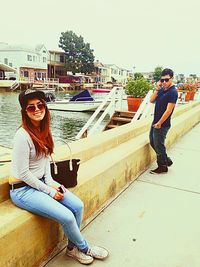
(157, 141)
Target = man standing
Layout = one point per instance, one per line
(165, 97)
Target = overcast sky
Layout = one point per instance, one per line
(128, 33)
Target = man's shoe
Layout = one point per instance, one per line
(98, 252)
(169, 162)
(159, 170)
(79, 256)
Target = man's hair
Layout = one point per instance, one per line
(167, 72)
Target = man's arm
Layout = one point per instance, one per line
(154, 96)
(155, 93)
(165, 115)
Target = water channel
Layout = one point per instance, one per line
(64, 125)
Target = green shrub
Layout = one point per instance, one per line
(138, 88)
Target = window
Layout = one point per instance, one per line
(6, 61)
(29, 57)
(34, 58)
(44, 59)
(25, 73)
(10, 64)
(43, 75)
(1, 75)
(62, 58)
(39, 75)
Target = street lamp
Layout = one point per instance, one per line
(133, 70)
(98, 76)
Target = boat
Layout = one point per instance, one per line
(101, 90)
(81, 102)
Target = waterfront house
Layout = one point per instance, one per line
(56, 64)
(30, 62)
(106, 73)
(7, 70)
(116, 74)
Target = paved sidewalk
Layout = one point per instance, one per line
(156, 221)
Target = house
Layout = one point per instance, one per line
(6, 69)
(116, 74)
(30, 62)
(100, 74)
(56, 64)
(107, 73)
(148, 75)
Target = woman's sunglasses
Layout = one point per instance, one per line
(165, 80)
(32, 108)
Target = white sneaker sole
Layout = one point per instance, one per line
(101, 258)
(85, 262)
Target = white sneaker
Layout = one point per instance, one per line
(98, 252)
(79, 256)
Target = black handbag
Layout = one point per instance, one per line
(65, 172)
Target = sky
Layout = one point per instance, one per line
(136, 35)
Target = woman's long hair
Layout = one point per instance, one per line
(42, 137)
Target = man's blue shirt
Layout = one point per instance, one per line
(163, 99)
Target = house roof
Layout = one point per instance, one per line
(7, 67)
(112, 65)
(56, 51)
(21, 47)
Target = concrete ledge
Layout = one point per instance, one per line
(4, 188)
(92, 146)
(25, 239)
(105, 171)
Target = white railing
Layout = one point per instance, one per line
(111, 100)
(197, 94)
(51, 81)
(144, 108)
(15, 86)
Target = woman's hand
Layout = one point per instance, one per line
(58, 194)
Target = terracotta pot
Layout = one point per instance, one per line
(192, 95)
(133, 103)
(187, 97)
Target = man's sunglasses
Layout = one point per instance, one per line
(165, 80)
(32, 108)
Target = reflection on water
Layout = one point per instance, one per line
(64, 125)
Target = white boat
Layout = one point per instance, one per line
(82, 102)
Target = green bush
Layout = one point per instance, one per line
(138, 88)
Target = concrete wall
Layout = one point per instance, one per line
(109, 162)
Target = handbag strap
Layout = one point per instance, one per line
(54, 165)
(70, 158)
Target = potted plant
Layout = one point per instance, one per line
(136, 89)
(192, 89)
(189, 89)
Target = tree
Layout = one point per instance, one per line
(79, 55)
(193, 77)
(157, 73)
(138, 75)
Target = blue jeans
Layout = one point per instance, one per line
(157, 141)
(67, 211)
